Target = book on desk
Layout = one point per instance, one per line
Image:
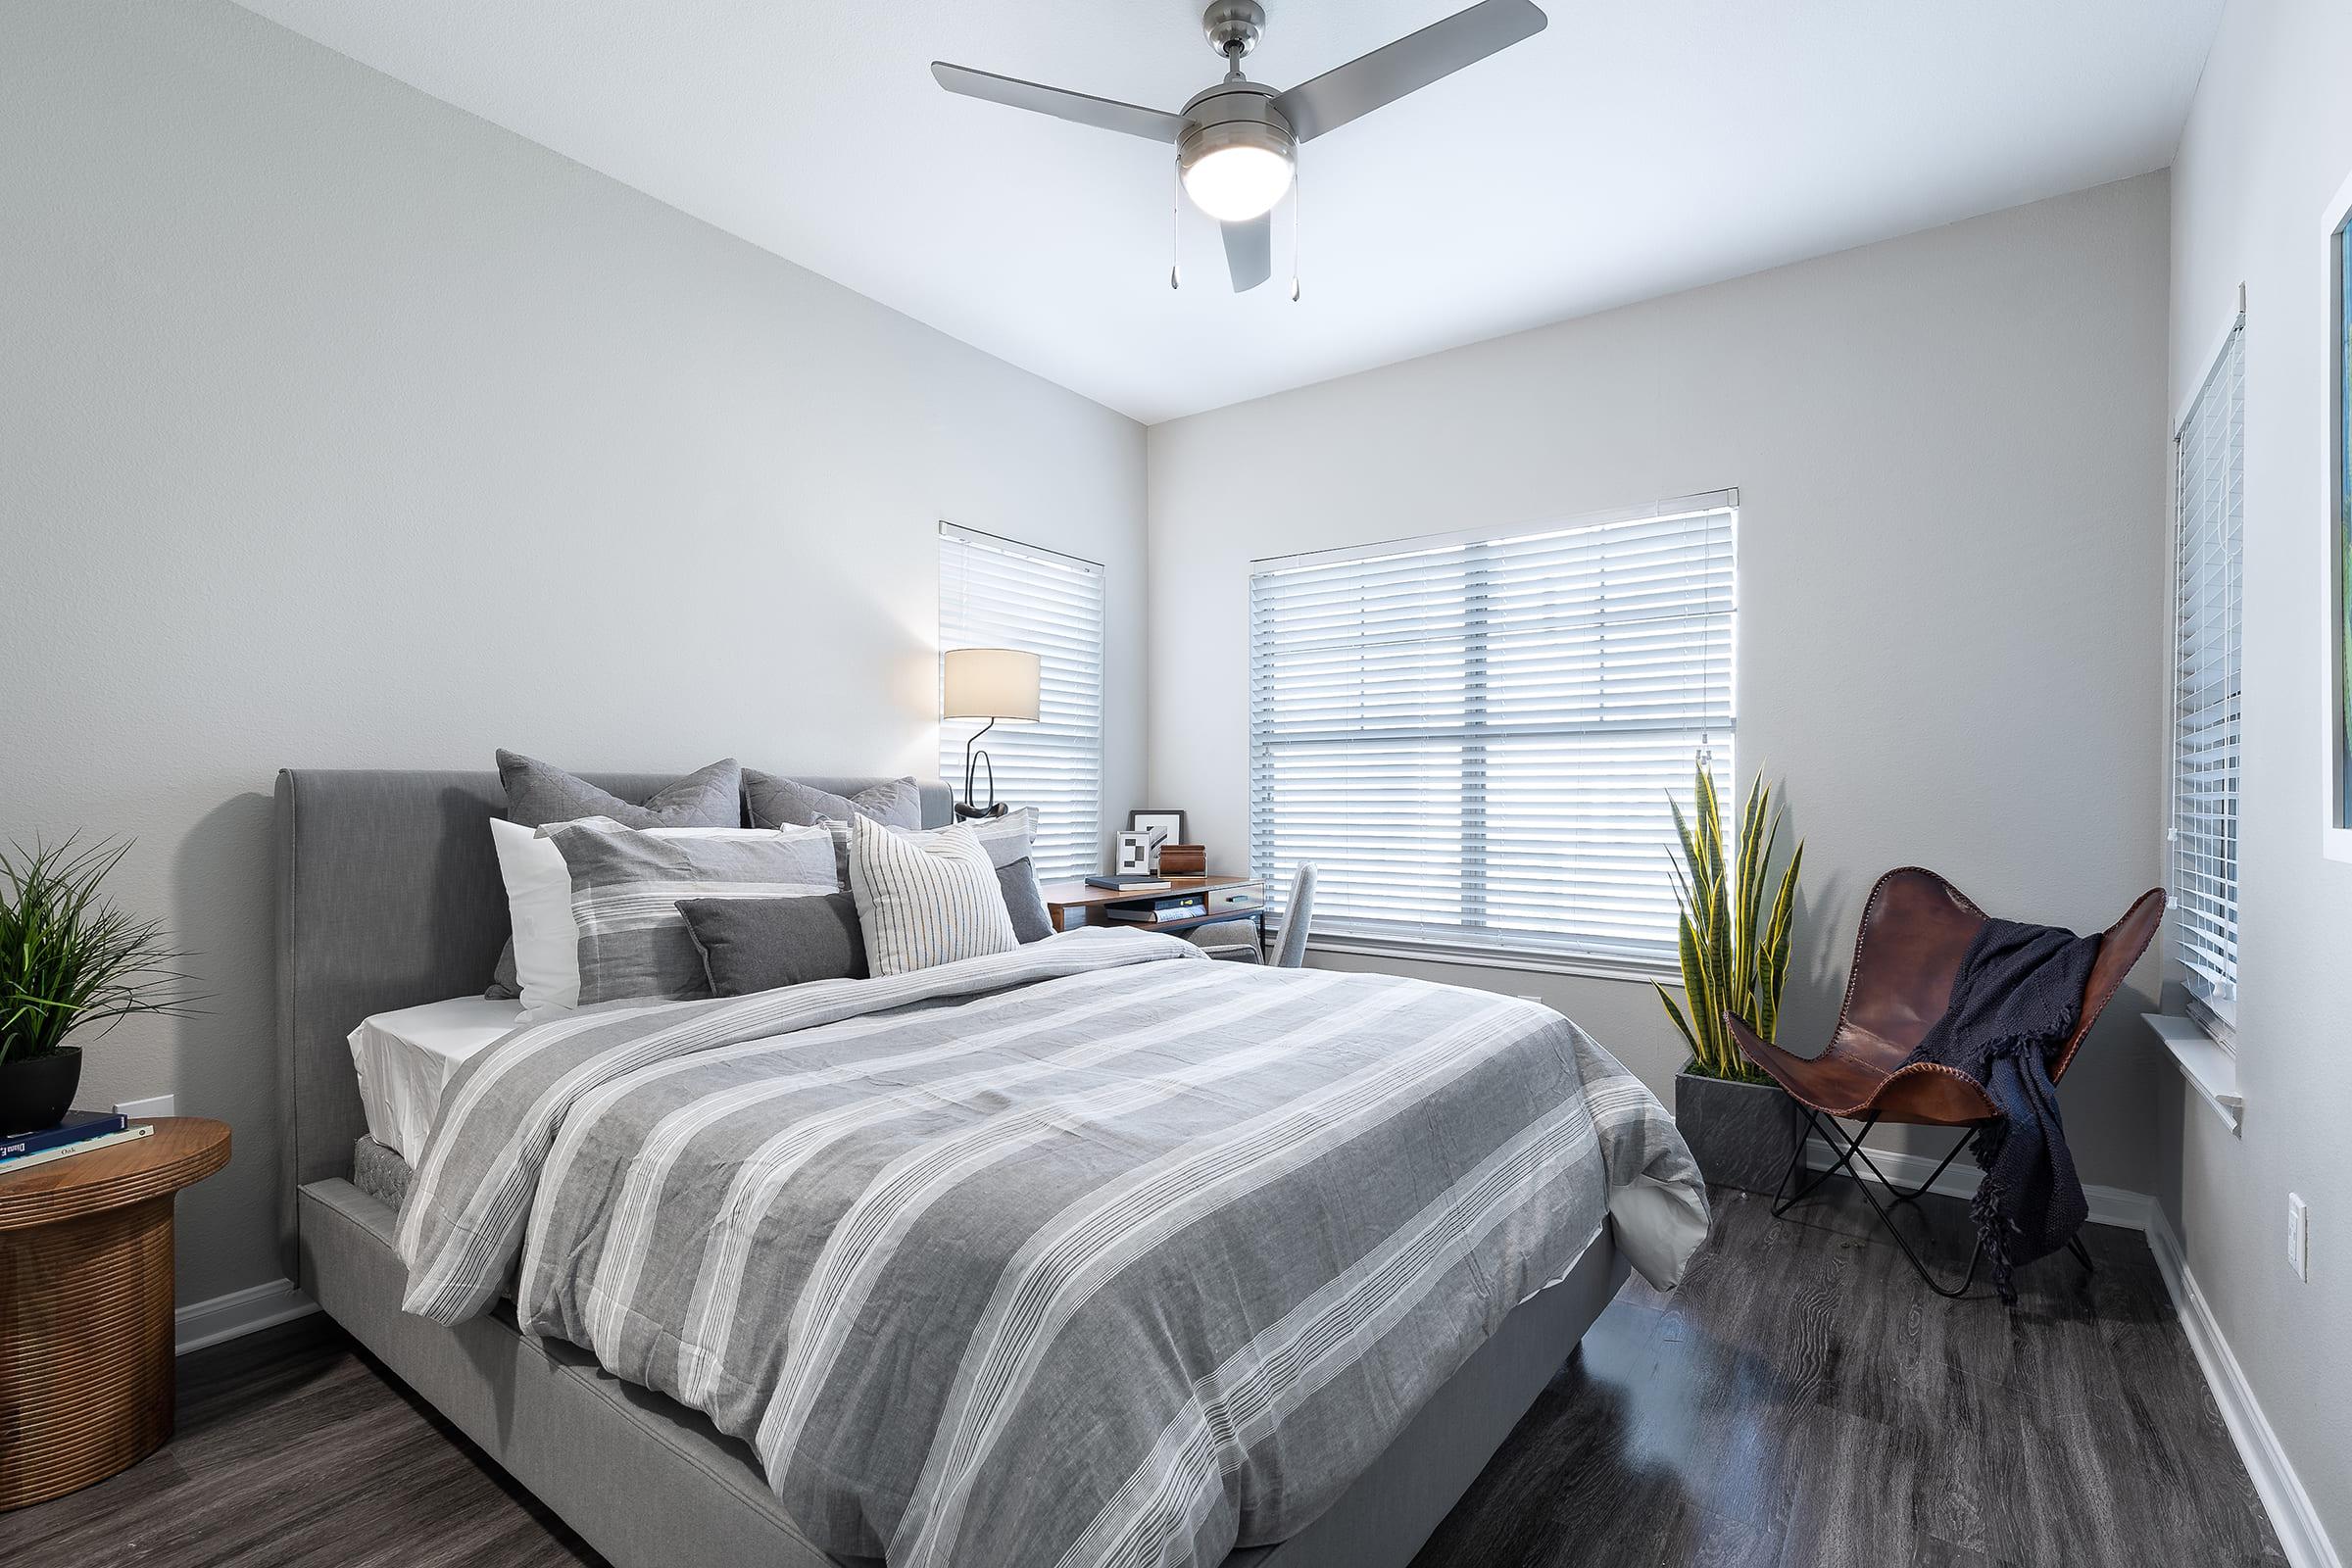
(1161, 912)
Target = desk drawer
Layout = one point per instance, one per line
(1244, 898)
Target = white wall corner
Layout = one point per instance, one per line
(2300, 1534)
(225, 1317)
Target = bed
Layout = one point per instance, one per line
(389, 898)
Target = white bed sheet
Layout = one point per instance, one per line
(405, 1058)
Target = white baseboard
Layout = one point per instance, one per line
(224, 1317)
(2300, 1534)
(2109, 1206)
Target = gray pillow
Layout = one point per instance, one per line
(752, 945)
(506, 984)
(788, 803)
(538, 794)
(626, 886)
(1023, 901)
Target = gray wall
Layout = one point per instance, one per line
(338, 427)
(2268, 142)
(1951, 452)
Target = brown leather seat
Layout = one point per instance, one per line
(1915, 930)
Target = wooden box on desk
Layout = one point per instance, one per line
(1184, 859)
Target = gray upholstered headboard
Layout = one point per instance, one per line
(388, 896)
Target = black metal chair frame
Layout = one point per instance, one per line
(1847, 1147)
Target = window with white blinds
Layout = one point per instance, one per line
(2209, 467)
(995, 593)
(1474, 737)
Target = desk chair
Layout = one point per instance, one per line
(1236, 941)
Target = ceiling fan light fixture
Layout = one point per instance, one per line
(1237, 170)
(1237, 142)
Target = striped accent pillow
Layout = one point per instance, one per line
(626, 884)
(925, 899)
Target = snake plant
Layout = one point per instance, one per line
(1735, 941)
(68, 958)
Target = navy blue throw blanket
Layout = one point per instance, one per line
(2014, 1003)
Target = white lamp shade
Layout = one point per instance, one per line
(989, 683)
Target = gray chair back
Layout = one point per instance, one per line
(1290, 952)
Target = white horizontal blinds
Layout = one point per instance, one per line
(1475, 739)
(2209, 504)
(995, 593)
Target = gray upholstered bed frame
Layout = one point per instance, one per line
(389, 895)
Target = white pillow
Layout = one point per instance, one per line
(547, 939)
(925, 899)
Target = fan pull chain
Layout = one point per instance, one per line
(1176, 224)
(1298, 227)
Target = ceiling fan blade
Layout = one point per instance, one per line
(1411, 63)
(1249, 251)
(1105, 112)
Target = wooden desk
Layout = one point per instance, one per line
(1090, 904)
(85, 1308)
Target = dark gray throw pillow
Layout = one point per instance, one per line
(506, 984)
(778, 801)
(538, 793)
(1023, 901)
(752, 945)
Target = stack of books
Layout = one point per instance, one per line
(80, 1132)
(1158, 911)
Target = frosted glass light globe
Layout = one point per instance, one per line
(1236, 183)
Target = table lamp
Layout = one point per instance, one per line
(990, 683)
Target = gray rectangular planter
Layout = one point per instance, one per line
(1741, 1134)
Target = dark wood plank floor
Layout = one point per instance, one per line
(1801, 1403)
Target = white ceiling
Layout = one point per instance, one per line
(1634, 148)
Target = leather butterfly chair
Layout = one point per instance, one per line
(1915, 930)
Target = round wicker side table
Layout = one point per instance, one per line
(85, 1308)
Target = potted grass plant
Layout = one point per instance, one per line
(1734, 940)
(71, 962)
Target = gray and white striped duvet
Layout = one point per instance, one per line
(1102, 1254)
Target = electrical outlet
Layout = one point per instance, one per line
(160, 1105)
(2298, 1237)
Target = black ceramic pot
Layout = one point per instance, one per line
(37, 1092)
(1741, 1134)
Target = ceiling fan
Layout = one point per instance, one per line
(1237, 143)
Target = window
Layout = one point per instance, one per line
(2209, 464)
(1474, 737)
(994, 593)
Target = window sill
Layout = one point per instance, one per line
(2211, 1070)
(1496, 959)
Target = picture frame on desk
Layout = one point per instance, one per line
(1170, 824)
